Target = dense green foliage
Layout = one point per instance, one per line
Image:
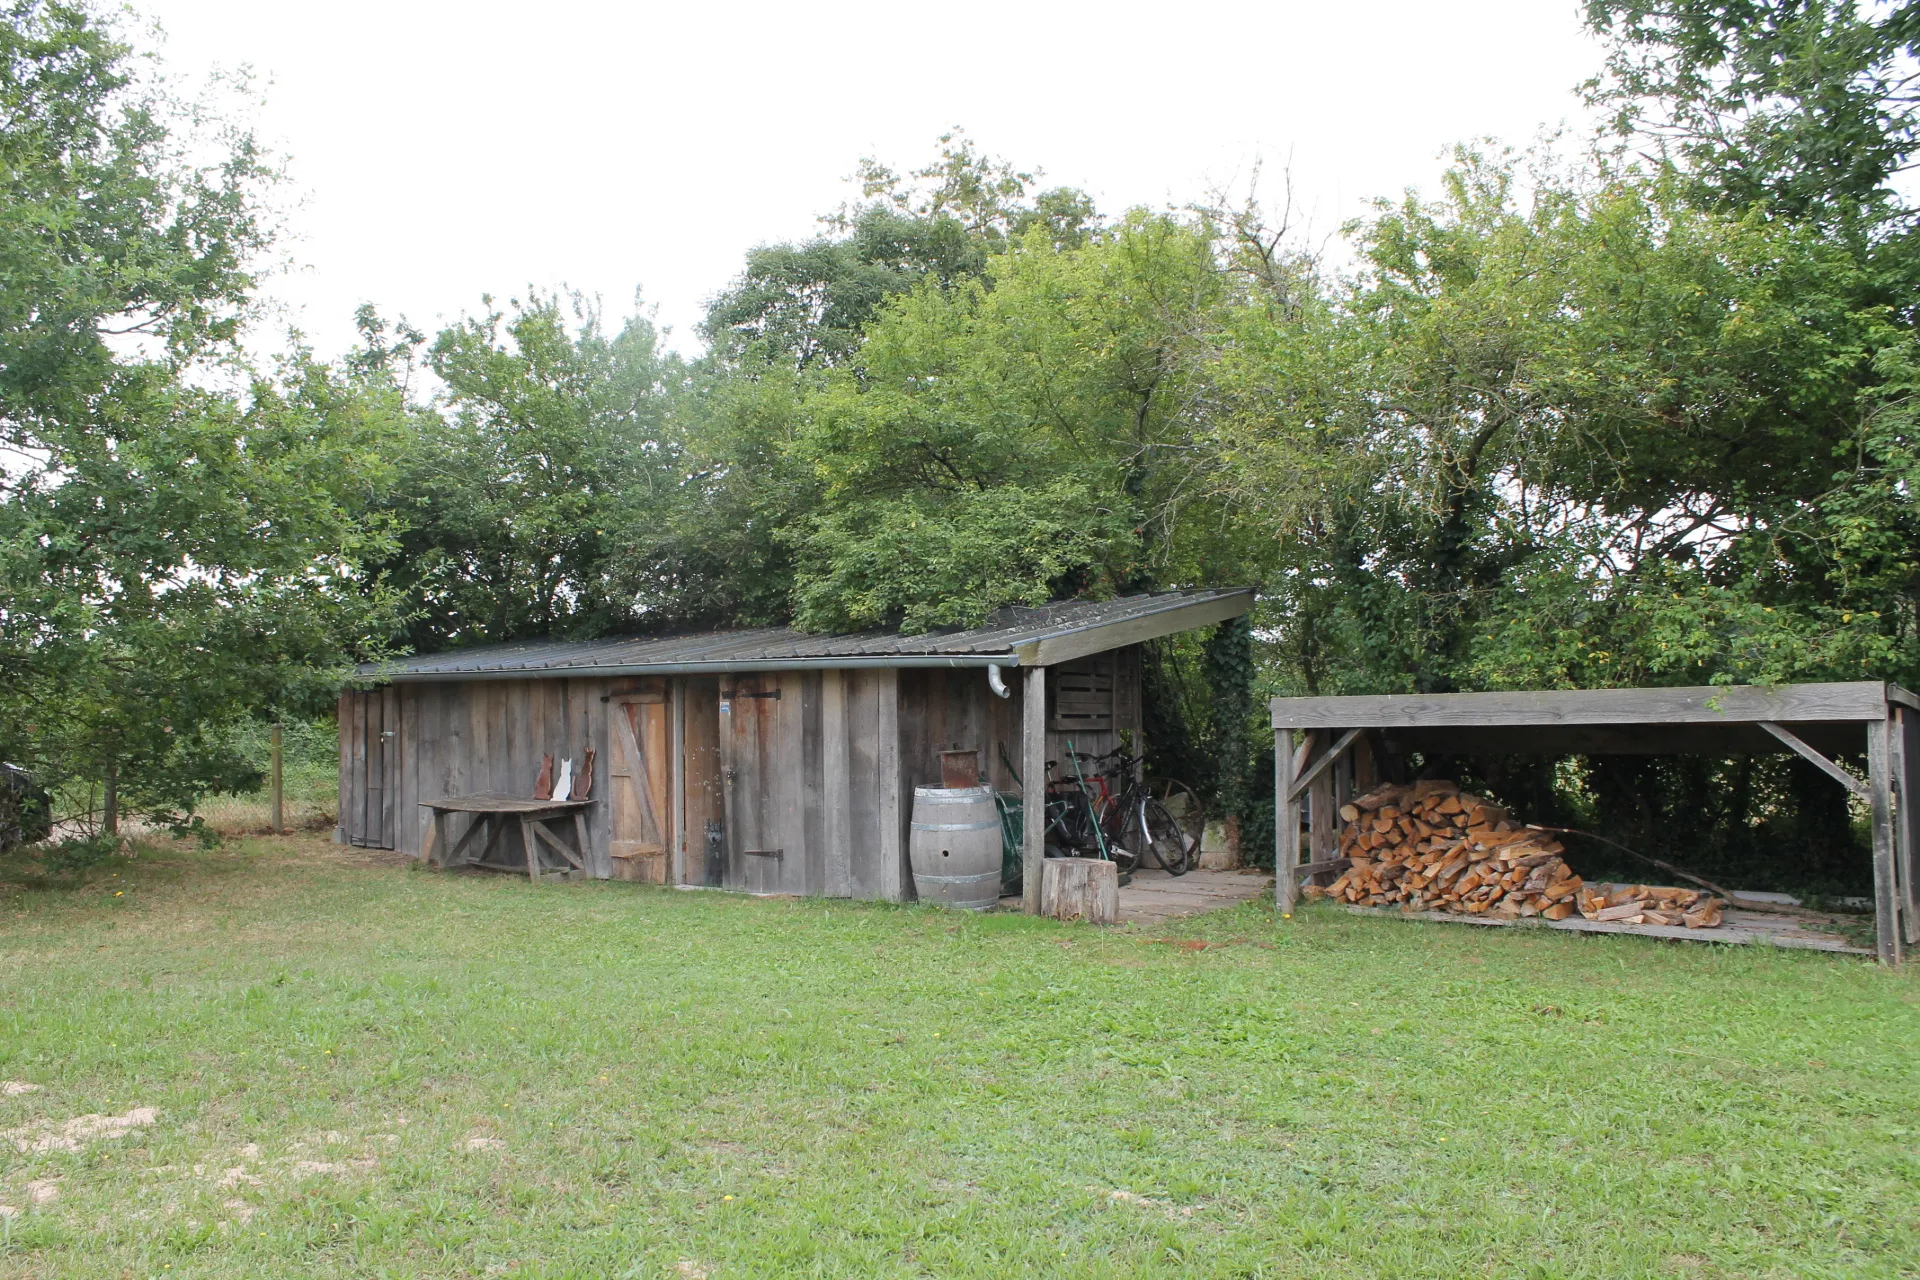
(362, 1069)
(1642, 414)
(172, 558)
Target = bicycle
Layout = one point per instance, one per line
(1123, 817)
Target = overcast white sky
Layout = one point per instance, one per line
(442, 150)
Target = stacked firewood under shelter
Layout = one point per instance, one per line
(1430, 846)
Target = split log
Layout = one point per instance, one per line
(1432, 847)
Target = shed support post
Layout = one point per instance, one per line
(1906, 781)
(1286, 824)
(1033, 786)
(1890, 945)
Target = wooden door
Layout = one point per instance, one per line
(369, 765)
(758, 769)
(639, 788)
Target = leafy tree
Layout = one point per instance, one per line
(1610, 422)
(807, 305)
(1807, 106)
(717, 553)
(515, 492)
(171, 556)
(1008, 440)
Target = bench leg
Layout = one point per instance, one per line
(533, 852)
(436, 850)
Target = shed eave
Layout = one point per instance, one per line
(1175, 615)
(718, 667)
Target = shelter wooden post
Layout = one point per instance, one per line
(1033, 787)
(1890, 945)
(1286, 824)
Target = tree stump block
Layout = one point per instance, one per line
(1080, 889)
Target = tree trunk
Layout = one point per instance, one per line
(110, 801)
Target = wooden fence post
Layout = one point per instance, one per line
(279, 780)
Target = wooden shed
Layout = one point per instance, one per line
(768, 761)
(1870, 719)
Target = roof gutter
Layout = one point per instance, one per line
(717, 667)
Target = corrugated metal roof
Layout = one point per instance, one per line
(775, 648)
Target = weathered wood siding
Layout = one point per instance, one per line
(460, 738)
(824, 773)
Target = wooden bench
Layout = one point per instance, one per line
(491, 811)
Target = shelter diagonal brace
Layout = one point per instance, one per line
(1321, 765)
(1819, 761)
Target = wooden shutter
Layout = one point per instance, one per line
(1083, 695)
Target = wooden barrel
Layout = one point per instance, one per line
(955, 847)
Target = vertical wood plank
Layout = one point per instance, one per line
(677, 774)
(836, 785)
(866, 690)
(470, 764)
(893, 880)
(1323, 838)
(408, 780)
(392, 745)
(355, 813)
(1033, 789)
(1286, 824)
(591, 700)
(810, 764)
(1890, 944)
(1366, 771)
(704, 800)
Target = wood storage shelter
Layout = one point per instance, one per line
(767, 761)
(1818, 721)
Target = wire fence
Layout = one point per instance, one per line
(310, 771)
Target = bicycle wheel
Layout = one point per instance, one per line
(1186, 810)
(1164, 839)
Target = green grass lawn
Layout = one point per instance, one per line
(358, 1068)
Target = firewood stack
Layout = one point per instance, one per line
(1433, 847)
